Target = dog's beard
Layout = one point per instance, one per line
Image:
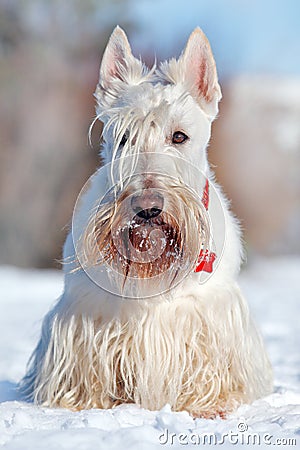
(146, 257)
(145, 249)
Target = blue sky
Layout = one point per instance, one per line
(257, 36)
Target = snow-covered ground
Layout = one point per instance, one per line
(273, 290)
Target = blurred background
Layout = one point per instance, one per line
(50, 52)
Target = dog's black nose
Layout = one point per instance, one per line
(147, 214)
(147, 205)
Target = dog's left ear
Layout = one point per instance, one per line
(200, 72)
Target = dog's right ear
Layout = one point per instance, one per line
(115, 58)
(118, 66)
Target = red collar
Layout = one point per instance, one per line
(206, 258)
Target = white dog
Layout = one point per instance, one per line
(151, 312)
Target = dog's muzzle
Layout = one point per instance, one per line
(143, 236)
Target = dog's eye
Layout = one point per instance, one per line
(124, 139)
(179, 137)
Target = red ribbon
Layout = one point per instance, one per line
(206, 258)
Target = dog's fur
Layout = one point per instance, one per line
(191, 344)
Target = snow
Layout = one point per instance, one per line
(273, 291)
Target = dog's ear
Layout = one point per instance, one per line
(199, 69)
(115, 58)
(118, 66)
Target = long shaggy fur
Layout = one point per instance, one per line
(96, 363)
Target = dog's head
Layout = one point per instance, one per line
(151, 225)
(166, 109)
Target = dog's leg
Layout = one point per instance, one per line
(61, 371)
(235, 366)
